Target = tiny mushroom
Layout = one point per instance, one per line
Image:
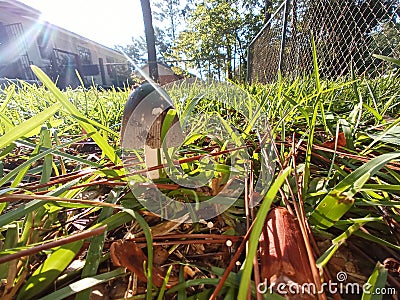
(142, 124)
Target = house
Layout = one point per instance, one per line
(25, 40)
(165, 73)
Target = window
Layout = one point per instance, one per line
(3, 44)
(110, 67)
(84, 55)
(3, 35)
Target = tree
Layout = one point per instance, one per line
(164, 35)
(150, 39)
(169, 21)
(217, 35)
(136, 51)
(169, 10)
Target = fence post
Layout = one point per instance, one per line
(283, 35)
(249, 63)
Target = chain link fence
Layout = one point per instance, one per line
(346, 32)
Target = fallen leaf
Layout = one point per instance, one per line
(283, 254)
(127, 254)
(341, 142)
(160, 255)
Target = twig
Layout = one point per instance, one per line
(233, 238)
(299, 208)
(19, 197)
(393, 281)
(49, 245)
(185, 242)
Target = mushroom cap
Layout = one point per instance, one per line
(143, 117)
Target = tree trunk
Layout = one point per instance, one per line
(267, 14)
(150, 39)
(229, 62)
(172, 17)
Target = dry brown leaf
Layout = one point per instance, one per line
(127, 254)
(341, 142)
(160, 255)
(283, 254)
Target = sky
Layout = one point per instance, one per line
(107, 22)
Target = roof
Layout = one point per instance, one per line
(18, 8)
(80, 37)
(21, 9)
(163, 69)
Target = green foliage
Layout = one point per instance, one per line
(74, 111)
(83, 284)
(376, 283)
(51, 268)
(217, 32)
(340, 199)
(210, 36)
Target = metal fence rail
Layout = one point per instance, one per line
(346, 32)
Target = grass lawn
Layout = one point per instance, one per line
(328, 150)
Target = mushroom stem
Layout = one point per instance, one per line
(154, 157)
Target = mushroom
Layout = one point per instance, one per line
(143, 118)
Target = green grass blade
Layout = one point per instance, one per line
(10, 91)
(25, 208)
(45, 140)
(388, 59)
(101, 126)
(375, 239)
(149, 242)
(63, 154)
(95, 250)
(162, 290)
(49, 270)
(382, 187)
(310, 142)
(348, 133)
(83, 284)
(22, 171)
(82, 120)
(187, 111)
(374, 112)
(10, 241)
(182, 291)
(115, 220)
(255, 233)
(315, 63)
(389, 135)
(33, 159)
(336, 243)
(168, 122)
(27, 126)
(376, 282)
(231, 132)
(340, 199)
(193, 282)
(255, 118)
